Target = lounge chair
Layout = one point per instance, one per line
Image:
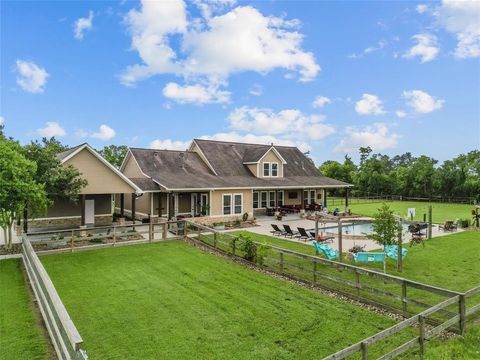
(276, 230)
(392, 251)
(448, 226)
(328, 252)
(289, 232)
(303, 234)
(369, 257)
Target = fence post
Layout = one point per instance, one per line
(281, 262)
(164, 235)
(421, 338)
(234, 246)
(364, 351)
(150, 235)
(429, 222)
(114, 235)
(215, 240)
(185, 229)
(404, 296)
(461, 311)
(357, 283)
(314, 272)
(340, 245)
(71, 240)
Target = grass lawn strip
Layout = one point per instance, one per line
(174, 301)
(22, 335)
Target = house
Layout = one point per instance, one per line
(95, 203)
(221, 180)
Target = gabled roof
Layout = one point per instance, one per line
(70, 153)
(183, 170)
(254, 154)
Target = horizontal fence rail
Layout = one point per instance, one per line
(450, 312)
(65, 337)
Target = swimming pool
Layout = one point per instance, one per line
(353, 229)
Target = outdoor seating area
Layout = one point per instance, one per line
(300, 234)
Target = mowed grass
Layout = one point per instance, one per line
(172, 301)
(440, 211)
(21, 333)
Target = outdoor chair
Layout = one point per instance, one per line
(276, 230)
(289, 232)
(326, 240)
(448, 226)
(328, 252)
(392, 251)
(303, 234)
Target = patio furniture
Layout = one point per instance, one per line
(289, 232)
(270, 211)
(328, 252)
(327, 239)
(303, 234)
(448, 226)
(276, 230)
(392, 251)
(369, 257)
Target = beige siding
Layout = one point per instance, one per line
(131, 168)
(101, 179)
(296, 201)
(64, 208)
(217, 196)
(253, 168)
(271, 157)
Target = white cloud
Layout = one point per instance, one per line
(82, 24)
(320, 101)
(400, 113)
(369, 105)
(51, 129)
(2, 121)
(376, 136)
(421, 8)
(210, 7)
(168, 144)
(195, 94)
(256, 90)
(290, 123)
(380, 45)
(462, 18)
(422, 102)
(104, 133)
(211, 48)
(426, 48)
(31, 77)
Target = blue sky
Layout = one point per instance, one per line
(325, 76)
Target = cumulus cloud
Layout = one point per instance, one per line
(168, 144)
(421, 8)
(426, 48)
(320, 101)
(31, 77)
(400, 113)
(104, 133)
(369, 105)
(376, 136)
(82, 24)
(195, 94)
(422, 102)
(51, 129)
(462, 18)
(213, 47)
(289, 123)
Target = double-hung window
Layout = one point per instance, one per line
(227, 204)
(266, 169)
(232, 204)
(274, 169)
(263, 198)
(272, 199)
(237, 203)
(280, 198)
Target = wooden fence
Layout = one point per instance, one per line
(65, 338)
(449, 310)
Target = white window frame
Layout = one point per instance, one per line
(283, 197)
(258, 200)
(261, 200)
(223, 204)
(271, 169)
(241, 204)
(270, 199)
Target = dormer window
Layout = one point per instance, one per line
(274, 169)
(266, 169)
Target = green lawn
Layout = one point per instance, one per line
(170, 300)
(440, 211)
(21, 332)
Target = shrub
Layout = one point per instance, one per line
(261, 254)
(245, 217)
(357, 248)
(248, 247)
(238, 222)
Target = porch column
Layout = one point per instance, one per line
(346, 197)
(122, 205)
(159, 204)
(151, 205)
(325, 197)
(82, 210)
(276, 199)
(133, 207)
(25, 220)
(168, 206)
(302, 195)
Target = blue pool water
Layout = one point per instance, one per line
(353, 229)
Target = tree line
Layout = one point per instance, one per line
(409, 176)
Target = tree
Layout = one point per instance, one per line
(60, 181)
(114, 154)
(18, 188)
(385, 227)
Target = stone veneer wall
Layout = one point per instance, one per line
(207, 220)
(67, 221)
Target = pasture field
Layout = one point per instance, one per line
(21, 332)
(440, 211)
(174, 301)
